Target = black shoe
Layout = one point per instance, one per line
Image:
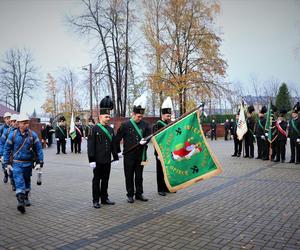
(246, 156)
(297, 162)
(238, 155)
(64, 153)
(13, 187)
(96, 205)
(250, 157)
(258, 157)
(265, 159)
(282, 161)
(107, 202)
(5, 179)
(141, 197)
(130, 199)
(276, 160)
(21, 203)
(233, 155)
(26, 200)
(162, 193)
(57, 153)
(292, 161)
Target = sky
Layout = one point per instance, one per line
(260, 38)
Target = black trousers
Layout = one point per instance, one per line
(161, 185)
(77, 146)
(226, 134)
(62, 143)
(213, 134)
(72, 145)
(101, 173)
(249, 146)
(274, 146)
(280, 150)
(133, 176)
(237, 146)
(295, 150)
(262, 148)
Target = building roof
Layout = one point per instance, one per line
(4, 109)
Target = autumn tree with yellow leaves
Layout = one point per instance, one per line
(50, 104)
(184, 50)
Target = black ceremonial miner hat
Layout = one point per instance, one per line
(250, 109)
(106, 105)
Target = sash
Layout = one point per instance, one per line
(280, 129)
(162, 123)
(78, 130)
(294, 127)
(61, 131)
(104, 129)
(261, 126)
(141, 135)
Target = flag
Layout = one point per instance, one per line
(72, 128)
(270, 122)
(241, 125)
(184, 153)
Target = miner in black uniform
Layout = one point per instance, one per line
(262, 151)
(101, 147)
(213, 129)
(294, 135)
(89, 127)
(237, 143)
(61, 135)
(274, 135)
(281, 126)
(79, 135)
(231, 128)
(133, 132)
(249, 136)
(226, 129)
(166, 110)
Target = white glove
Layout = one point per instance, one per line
(114, 163)
(1, 159)
(143, 141)
(37, 167)
(279, 121)
(266, 134)
(57, 139)
(66, 139)
(158, 158)
(262, 137)
(120, 155)
(254, 136)
(298, 140)
(231, 136)
(288, 139)
(92, 165)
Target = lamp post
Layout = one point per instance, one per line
(91, 88)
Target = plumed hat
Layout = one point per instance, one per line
(250, 109)
(77, 119)
(166, 107)
(263, 110)
(282, 112)
(62, 119)
(139, 104)
(106, 105)
(296, 108)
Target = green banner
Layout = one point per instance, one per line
(184, 153)
(269, 127)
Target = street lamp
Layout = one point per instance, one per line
(91, 88)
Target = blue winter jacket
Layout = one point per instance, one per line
(24, 156)
(4, 137)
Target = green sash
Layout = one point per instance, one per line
(162, 123)
(294, 127)
(141, 135)
(104, 129)
(261, 126)
(61, 131)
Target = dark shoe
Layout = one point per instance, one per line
(162, 193)
(5, 179)
(238, 155)
(233, 155)
(96, 205)
(246, 156)
(282, 161)
(141, 197)
(130, 199)
(64, 153)
(276, 160)
(258, 157)
(26, 200)
(13, 187)
(57, 153)
(265, 159)
(297, 162)
(108, 202)
(250, 157)
(292, 161)
(21, 203)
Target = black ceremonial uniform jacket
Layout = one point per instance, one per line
(157, 126)
(61, 132)
(130, 138)
(292, 132)
(259, 131)
(250, 126)
(283, 125)
(100, 147)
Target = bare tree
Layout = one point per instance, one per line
(18, 76)
(271, 87)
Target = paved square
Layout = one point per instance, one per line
(253, 204)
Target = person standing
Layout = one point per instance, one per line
(3, 130)
(23, 144)
(79, 135)
(213, 129)
(231, 129)
(226, 129)
(281, 126)
(101, 146)
(249, 136)
(61, 135)
(166, 111)
(134, 132)
(262, 152)
(236, 141)
(294, 135)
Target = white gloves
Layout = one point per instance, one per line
(231, 136)
(254, 136)
(37, 167)
(114, 163)
(143, 141)
(158, 158)
(262, 137)
(298, 140)
(92, 165)
(288, 139)
(120, 155)
(266, 134)
(1, 159)
(57, 139)
(66, 139)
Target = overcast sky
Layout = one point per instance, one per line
(260, 37)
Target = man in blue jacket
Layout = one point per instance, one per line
(20, 149)
(3, 130)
